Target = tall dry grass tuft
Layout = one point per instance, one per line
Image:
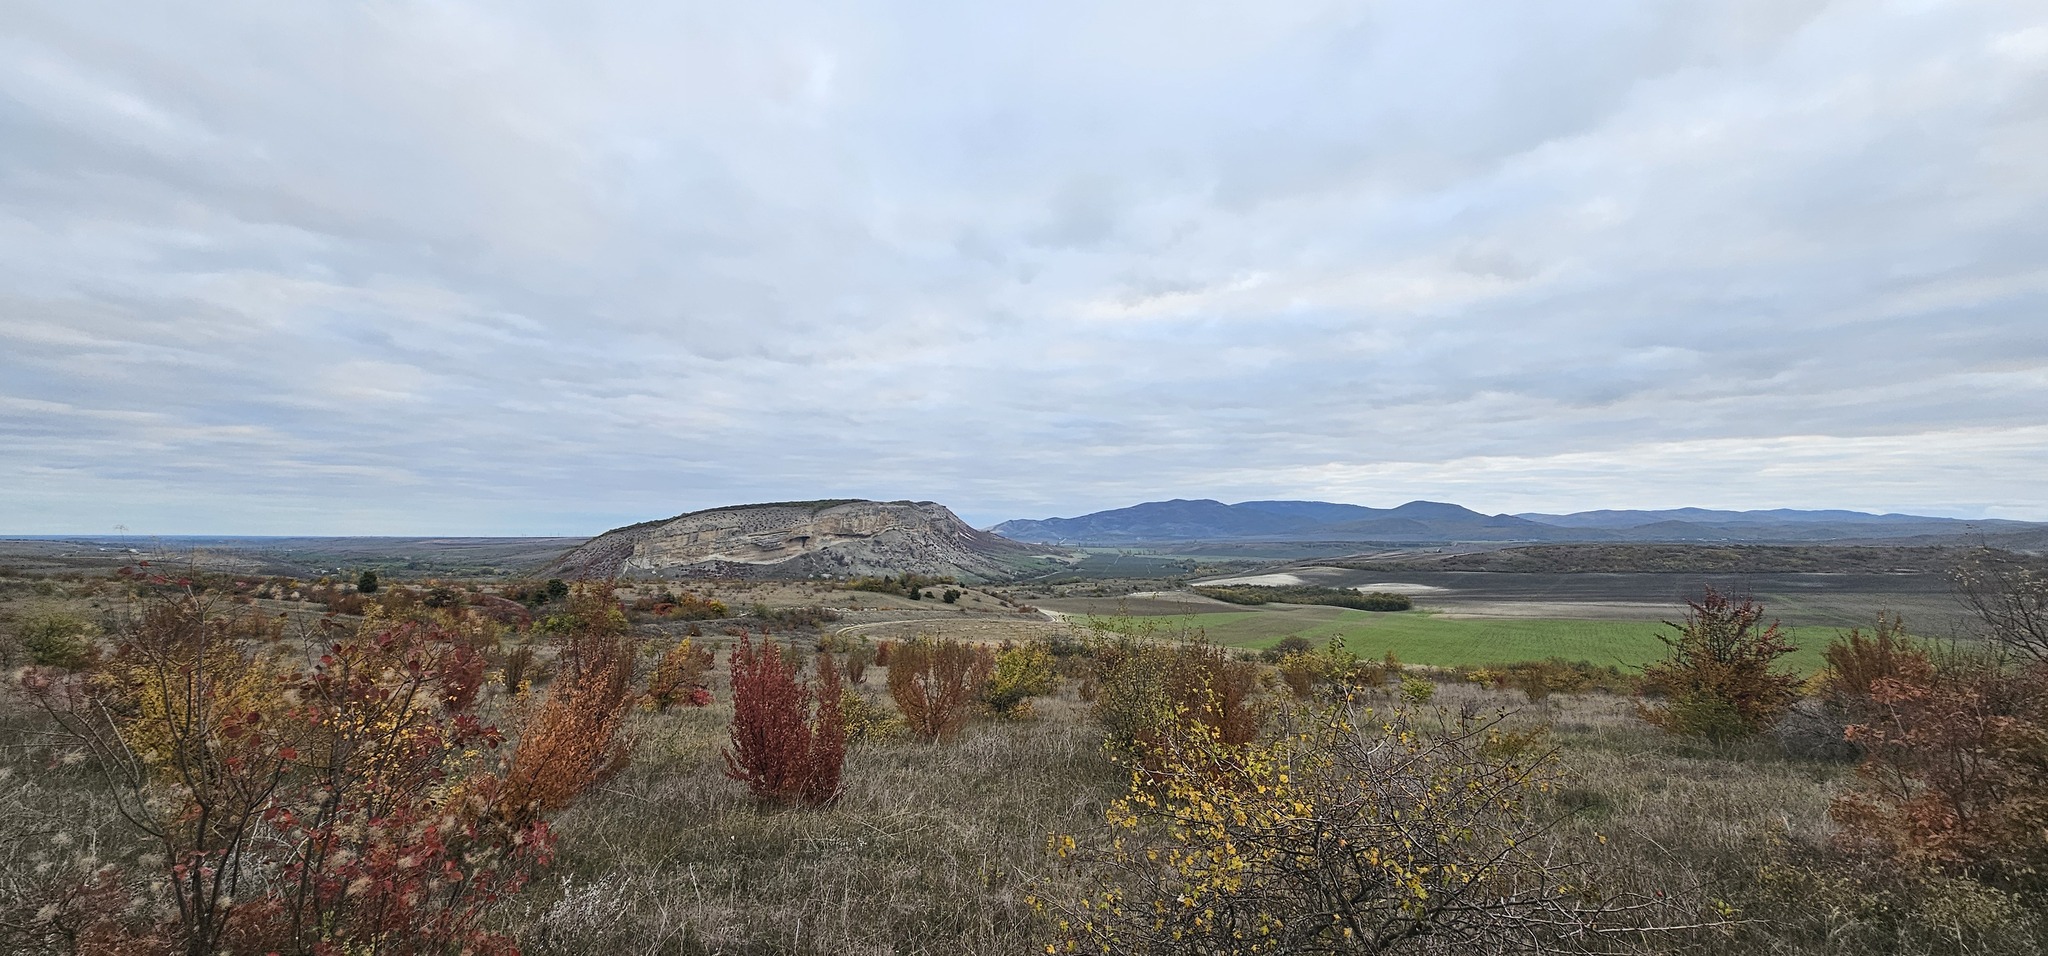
(928, 851)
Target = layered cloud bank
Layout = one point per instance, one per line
(503, 269)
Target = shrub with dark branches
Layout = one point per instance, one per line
(1357, 832)
(2009, 595)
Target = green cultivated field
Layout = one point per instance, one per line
(1428, 639)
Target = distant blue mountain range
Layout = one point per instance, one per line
(1439, 522)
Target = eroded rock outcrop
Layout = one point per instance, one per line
(804, 539)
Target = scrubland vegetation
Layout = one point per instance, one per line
(211, 764)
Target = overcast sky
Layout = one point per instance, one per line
(500, 268)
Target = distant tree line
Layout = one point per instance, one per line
(909, 584)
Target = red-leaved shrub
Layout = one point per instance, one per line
(1955, 772)
(785, 750)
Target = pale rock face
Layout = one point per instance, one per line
(804, 539)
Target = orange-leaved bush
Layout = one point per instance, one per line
(1955, 767)
(573, 742)
(1955, 772)
(784, 749)
(935, 681)
(1857, 663)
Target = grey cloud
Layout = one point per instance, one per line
(479, 267)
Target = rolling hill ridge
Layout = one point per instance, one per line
(1440, 522)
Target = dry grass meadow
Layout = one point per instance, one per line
(935, 848)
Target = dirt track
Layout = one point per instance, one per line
(982, 629)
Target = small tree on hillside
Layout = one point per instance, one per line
(1717, 682)
(366, 583)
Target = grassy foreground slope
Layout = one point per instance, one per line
(1434, 640)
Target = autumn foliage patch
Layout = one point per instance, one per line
(936, 682)
(788, 738)
(1717, 682)
(339, 798)
(680, 677)
(1955, 770)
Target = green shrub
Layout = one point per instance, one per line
(866, 719)
(1300, 671)
(909, 585)
(1291, 644)
(1020, 674)
(1717, 682)
(57, 640)
(1416, 690)
(810, 615)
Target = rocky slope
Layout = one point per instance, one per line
(804, 539)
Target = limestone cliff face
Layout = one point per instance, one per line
(803, 539)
